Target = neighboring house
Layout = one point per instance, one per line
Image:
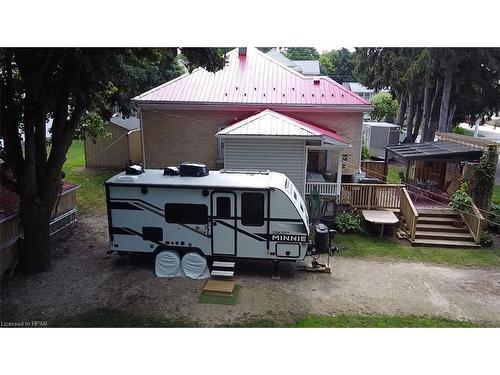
(273, 118)
(360, 90)
(377, 135)
(306, 67)
(120, 147)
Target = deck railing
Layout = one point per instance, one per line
(474, 220)
(409, 213)
(372, 196)
(323, 188)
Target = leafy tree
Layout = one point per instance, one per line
(384, 107)
(301, 53)
(435, 87)
(66, 84)
(338, 64)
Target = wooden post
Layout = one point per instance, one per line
(386, 166)
(369, 197)
(339, 174)
(407, 175)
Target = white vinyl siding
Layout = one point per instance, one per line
(277, 155)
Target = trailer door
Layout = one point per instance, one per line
(224, 221)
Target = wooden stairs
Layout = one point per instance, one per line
(435, 228)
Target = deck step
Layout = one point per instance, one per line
(443, 235)
(441, 228)
(221, 273)
(437, 213)
(220, 264)
(435, 220)
(443, 243)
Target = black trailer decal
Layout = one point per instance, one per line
(123, 206)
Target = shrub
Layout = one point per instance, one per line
(348, 222)
(486, 239)
(461, 201)
(494, 222)
(365, 152)
(459, 130)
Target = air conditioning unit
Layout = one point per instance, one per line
(193, 169)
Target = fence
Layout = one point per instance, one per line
(375, 169)
(322, 188)
(409, 213)
(474, 220)
(372, 196)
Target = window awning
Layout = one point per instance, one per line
(440, 150)
(268, 124)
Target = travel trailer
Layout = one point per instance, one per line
(218, 214)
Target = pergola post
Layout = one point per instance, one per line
(407, 174)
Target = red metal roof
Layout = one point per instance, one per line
(9, 200)
(253, 79)
(271, 123)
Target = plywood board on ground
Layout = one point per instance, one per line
(219, 286)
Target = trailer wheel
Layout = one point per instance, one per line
(168, 264)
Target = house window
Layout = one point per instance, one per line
(223, 207)
(181, 213)
(252, 209)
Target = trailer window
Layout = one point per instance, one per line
(181, 213)
(252, 209)
(223, 207)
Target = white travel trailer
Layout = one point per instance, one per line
(220, 214)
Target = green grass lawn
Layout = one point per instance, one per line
(91, 196)
(496, 194)
(105, 317)
(393, 173)
(361, 245)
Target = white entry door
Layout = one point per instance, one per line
(224, 223)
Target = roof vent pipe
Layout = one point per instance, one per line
(242, 51)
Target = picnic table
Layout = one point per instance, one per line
(380, 217)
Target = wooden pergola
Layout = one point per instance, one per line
(432, 151)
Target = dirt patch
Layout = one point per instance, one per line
(84, 277)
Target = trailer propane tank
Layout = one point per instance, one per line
(322, 239)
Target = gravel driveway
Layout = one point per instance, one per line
(83, 277)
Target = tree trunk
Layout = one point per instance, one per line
(445, 101)
(410, 117)
(425, 113)
(418, 120)
(432, 113)
(450, 117)
(402, 110)
(36, 244)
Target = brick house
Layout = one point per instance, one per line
(256, 113)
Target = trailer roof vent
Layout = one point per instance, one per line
(171, 171)
(193, 169)
(134, 169)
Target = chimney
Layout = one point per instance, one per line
(242, 51)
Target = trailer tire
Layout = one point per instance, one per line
(168, 264)
(195, 265)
